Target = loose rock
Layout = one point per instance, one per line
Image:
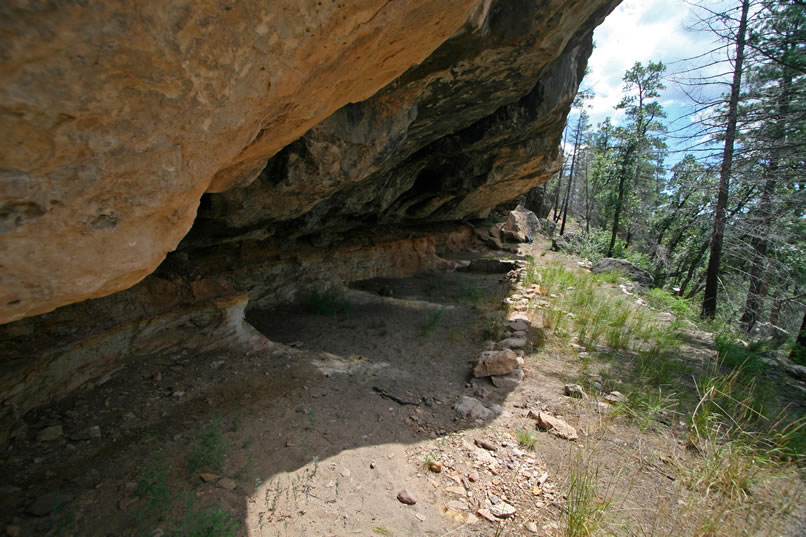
(487, 515)
(575, 390)
(48, 503)
(49, 433)
(486, 444)
(513, 343)
(503, 510)
(226, 483)
(556, 426)
(510, 381)
(518, 325)
(468, 406)
(404, 497)
(616, 397)
(496, 363)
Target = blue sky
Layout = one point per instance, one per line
(644, 30)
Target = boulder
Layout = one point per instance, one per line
(547, 226)
(470, 407)
(563, 242)
(629, 270)
(521, 223)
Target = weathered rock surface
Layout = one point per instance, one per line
(562, 243)
(501, 362)
(470, 407)
(521, 222)
(157, 104)
(556, 426)
(509, 381)
(574, 390)
(611, 264)
(48, 503)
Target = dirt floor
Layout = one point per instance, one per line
(320, 434)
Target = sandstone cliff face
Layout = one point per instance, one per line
(117, 117)
(116, 120)
(321, 142)
(476, 124)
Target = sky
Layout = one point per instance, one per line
(644, 30)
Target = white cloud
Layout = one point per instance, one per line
(640, 30)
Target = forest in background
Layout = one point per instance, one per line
(712, 207)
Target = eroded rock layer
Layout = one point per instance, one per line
(117, 117)
(287, 145)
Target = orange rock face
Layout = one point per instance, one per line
(117, 117)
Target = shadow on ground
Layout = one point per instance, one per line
(284, 440)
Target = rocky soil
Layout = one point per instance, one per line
(363, 417)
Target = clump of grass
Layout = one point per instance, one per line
(527, 438)
(431, 322)
(236, 421)
(327, 302)
(648, 409)
(64, 522)
(664, 300)
(469, 293)
(608, 277)
(746, 358)
(210, 448)
(598, 316)
(496, 325)
(153, 489)
(214, 522)
(586, 510)
(380, 530)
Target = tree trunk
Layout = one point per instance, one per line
(758, 274)
(798, 354)
(691, 269)
(622, 183)
(718, 233)
(755, 293)
(571, 173)
(587, 197)
(556, 204)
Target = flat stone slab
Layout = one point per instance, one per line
(556, 426)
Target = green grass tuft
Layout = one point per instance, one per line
(431, 322)
(210, 448)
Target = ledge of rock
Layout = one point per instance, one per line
(305, 115)
(169, 165)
